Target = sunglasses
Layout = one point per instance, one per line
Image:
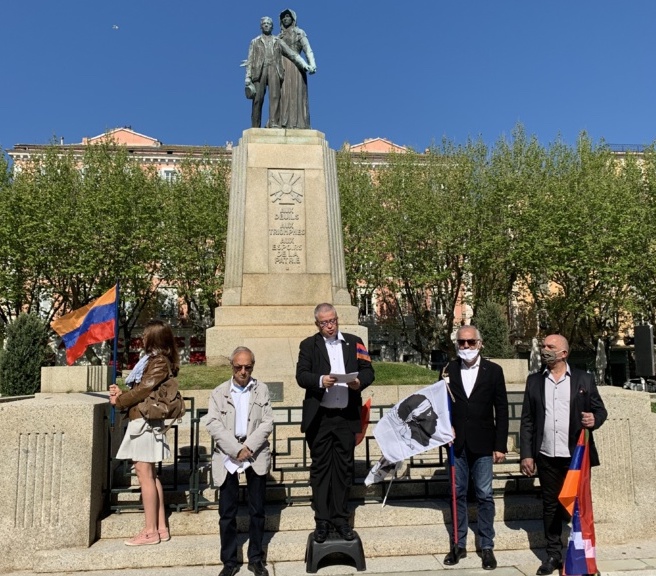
(470, 341)
(327, 322)
(240, 367)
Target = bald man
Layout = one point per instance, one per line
(558, 403)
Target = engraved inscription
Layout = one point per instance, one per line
(286, 221)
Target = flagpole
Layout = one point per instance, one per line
(389, 486)
(452, 466)
(454, 504)
(112, 410)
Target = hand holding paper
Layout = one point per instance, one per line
(344, 379)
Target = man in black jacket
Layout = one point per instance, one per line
(331, 416)
(479, 417)
(558, 403)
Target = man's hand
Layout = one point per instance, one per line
(453, 431)
(587, 419)
(328, 381)
(498, 457)
(355, 385)
(244, 454)
(527, 466)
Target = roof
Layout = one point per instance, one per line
(125, 136)
(377, 145)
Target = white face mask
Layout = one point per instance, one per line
(468, 354)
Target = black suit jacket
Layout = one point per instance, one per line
(313, 362)
(584, 398)
(480, 421)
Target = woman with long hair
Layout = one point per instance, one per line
(145, 442)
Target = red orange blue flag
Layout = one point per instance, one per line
(576, 497)
(93, 323)
(362, 353)
(365, 416)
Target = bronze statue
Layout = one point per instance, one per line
(264, 68)
(295, 111)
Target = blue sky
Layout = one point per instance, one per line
(412, 71)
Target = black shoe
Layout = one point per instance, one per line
(550, 565)
(229, 571)
(258, 568)
(346, 532)
(454, 556)
(489, 561)
(321, 532)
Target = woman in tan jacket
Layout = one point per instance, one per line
(144, 441)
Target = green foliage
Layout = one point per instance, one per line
(491, 321)
(195, 208)
(21, 360)
(362, 224)
(71, 226)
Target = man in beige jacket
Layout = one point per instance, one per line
(240, 420)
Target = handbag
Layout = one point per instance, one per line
(164, 402)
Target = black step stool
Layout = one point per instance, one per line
(315, 552)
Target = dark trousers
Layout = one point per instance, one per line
(332, 443)
(552, 472)
(271, 79)
(228, 504)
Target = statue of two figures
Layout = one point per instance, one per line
(275, 64)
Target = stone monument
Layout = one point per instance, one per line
(285, 250)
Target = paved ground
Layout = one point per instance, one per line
(638, 559)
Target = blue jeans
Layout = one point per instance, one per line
(480, 469)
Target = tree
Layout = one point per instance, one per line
(507, 182)
(195, 209)
(641, 175)
(491, 321)
(22, 358)
(362, 225)
(426, 203)
(577, 255)
(38, 244)
(121, 225)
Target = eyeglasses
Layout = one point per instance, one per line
(470, 341)
(240, 367)
(325, 323)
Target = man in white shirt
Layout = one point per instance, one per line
(240, 420)
(558, 403)
(479, 416)
(331, 416)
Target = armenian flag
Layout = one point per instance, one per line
(361, 352)
(365, 415)
(93, 323)
(576, 497)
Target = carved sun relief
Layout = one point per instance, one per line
(286, 186)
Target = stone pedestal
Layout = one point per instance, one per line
(54, 454)
(284, 251)
(75, 378)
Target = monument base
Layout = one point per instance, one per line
(284, 253)
(274, 333)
